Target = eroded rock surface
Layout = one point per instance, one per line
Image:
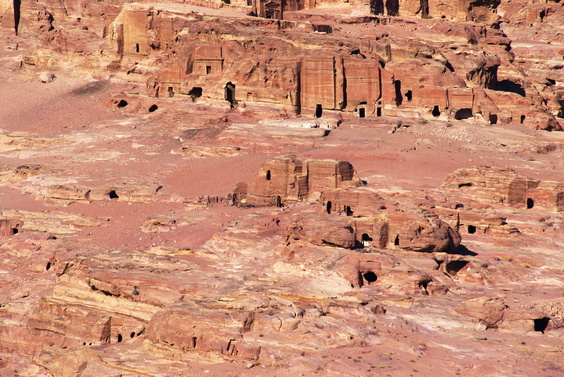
(281, 188)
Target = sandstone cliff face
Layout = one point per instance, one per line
(491, 185)
(121, 253)
(181, 51)
(288, 179)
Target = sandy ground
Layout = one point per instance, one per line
(105, 145)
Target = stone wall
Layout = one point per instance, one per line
(505, 186)
(287, 179)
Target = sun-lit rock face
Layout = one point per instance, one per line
(287, 179)
(387, 237)
(494, 185)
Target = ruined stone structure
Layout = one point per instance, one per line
(506, 186)
(351, 216)
(199, 61)
(287, 179)
(9, 227)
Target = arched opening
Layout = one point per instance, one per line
(541, 324)
(454, 267)
(153, 108)
(409, 95)
(423, 284)
(366, 240)
(328, 207)
(318, 111)
(436, 112)
(463, 114)
(399, 97)
(112, 195)
(530, 203)
(268, 175)
(230, 93)
(195, 92)
(397, 240)
(119, 338)
(15, 230)
(17, 5)
(522, 119)
(471, 229)
(493, 118)
(377, 6)
(424, 8)
(122, 103)
(370, 277)
(392, 7)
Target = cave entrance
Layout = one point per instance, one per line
(208, 69)
(137, 47)
(541, 324)
(454, 267)
(361, 112)
(318, 111)
(348, 211)
(522, 119)
(471, 229)
(493, 118)
(399, 97)
(530, 203)
(268, 176)
(153, 108)
(378, 111)
(392, 7)
(195, 92)
(409, 95)
(112, 195)
(377, 6)
(230, 93)
(366, 240)
(436, 112)
(170, 91)
(17, 5)
(463, 114)
(328, 207)
(370, 277)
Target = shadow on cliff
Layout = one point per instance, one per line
(510, 86)
(463, 250)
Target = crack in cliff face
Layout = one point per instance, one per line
(68, 265)
(101, 290)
